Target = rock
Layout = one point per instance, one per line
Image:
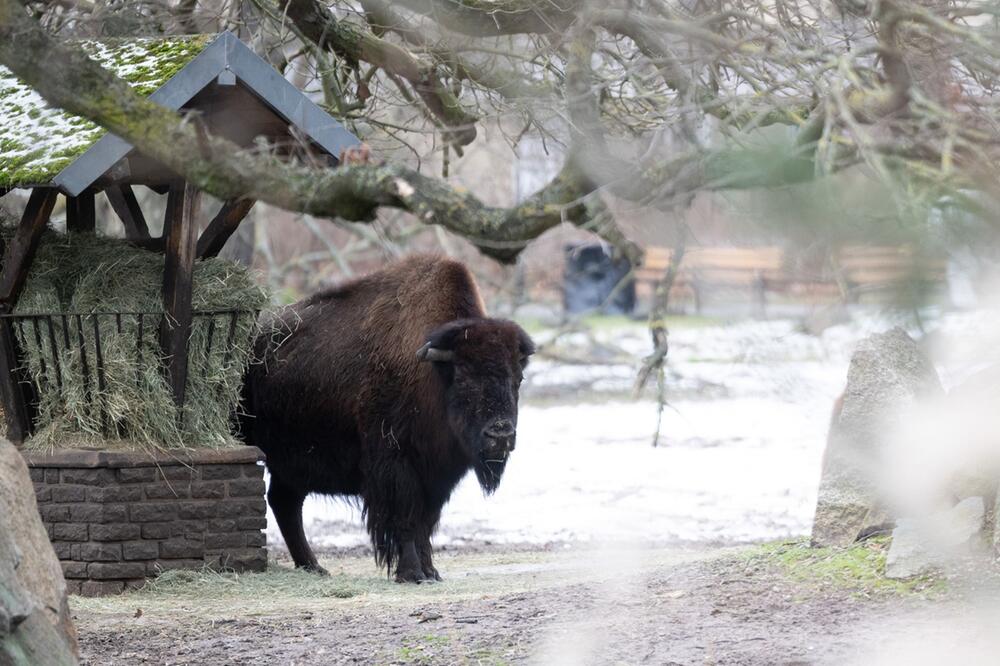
(996, 523)
(35, 624)
(888, 373)
(971, 418)
(924, 546)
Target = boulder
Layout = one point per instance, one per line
(996, 523)
(925, 546)
(888, 373)
(35, 624)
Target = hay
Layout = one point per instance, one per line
(82, 273)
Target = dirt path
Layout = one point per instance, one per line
(496, 607)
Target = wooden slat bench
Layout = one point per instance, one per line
(852, 270)
(760, 269)
(868, 268)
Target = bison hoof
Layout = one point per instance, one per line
(410, 576)
(315, 569)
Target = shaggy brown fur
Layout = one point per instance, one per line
(390, 388)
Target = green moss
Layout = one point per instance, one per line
(421, 649)
(37, 142)
(859, 569)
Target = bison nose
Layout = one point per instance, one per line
(500, 429)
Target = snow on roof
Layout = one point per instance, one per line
(37, 140)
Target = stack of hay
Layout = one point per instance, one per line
(82, 273)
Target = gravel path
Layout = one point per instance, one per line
(505, 606)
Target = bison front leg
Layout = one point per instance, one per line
(424, 545)
(426, 560)
(394, 505)
(409, 569)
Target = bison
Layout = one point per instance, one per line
(389, 388)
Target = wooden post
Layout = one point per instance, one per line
(126, 207)
(80, 215)
(17, 257)
(181, 232)
(222, 227)
(697, 291)
(760, 291)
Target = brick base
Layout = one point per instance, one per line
(116, 518)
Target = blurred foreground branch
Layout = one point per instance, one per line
(656, 362)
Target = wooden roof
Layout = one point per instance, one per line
(237, 93)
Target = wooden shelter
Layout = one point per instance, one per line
(235, 93)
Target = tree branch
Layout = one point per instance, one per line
(318, 24)
(67, 78)
(508, 83)
(492, 18)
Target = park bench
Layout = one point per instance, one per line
(753, 269)
(850, 272)
(872, 268)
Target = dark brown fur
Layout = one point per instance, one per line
(342, 405)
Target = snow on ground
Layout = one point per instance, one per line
(739, 457)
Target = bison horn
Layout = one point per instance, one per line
(428, 353)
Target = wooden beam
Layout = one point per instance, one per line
(80, 215)
(222, 226)
(126, 207)
(20, 251)
(181, 231)
(17, 257)
(151, 244)
(12, 391)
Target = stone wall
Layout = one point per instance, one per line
(118, 518)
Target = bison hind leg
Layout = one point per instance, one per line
(286, 504)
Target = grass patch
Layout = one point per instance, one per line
(859, 568)
(487, 657)
(421, 649)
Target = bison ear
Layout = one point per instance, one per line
(526, 346)
(440, 345)
(431, 353)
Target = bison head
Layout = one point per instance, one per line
(481, 362)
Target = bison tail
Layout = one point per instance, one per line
(385, 543)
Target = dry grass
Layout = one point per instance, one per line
(84, 274)
(353, 580)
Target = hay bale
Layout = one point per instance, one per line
(82, 273)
